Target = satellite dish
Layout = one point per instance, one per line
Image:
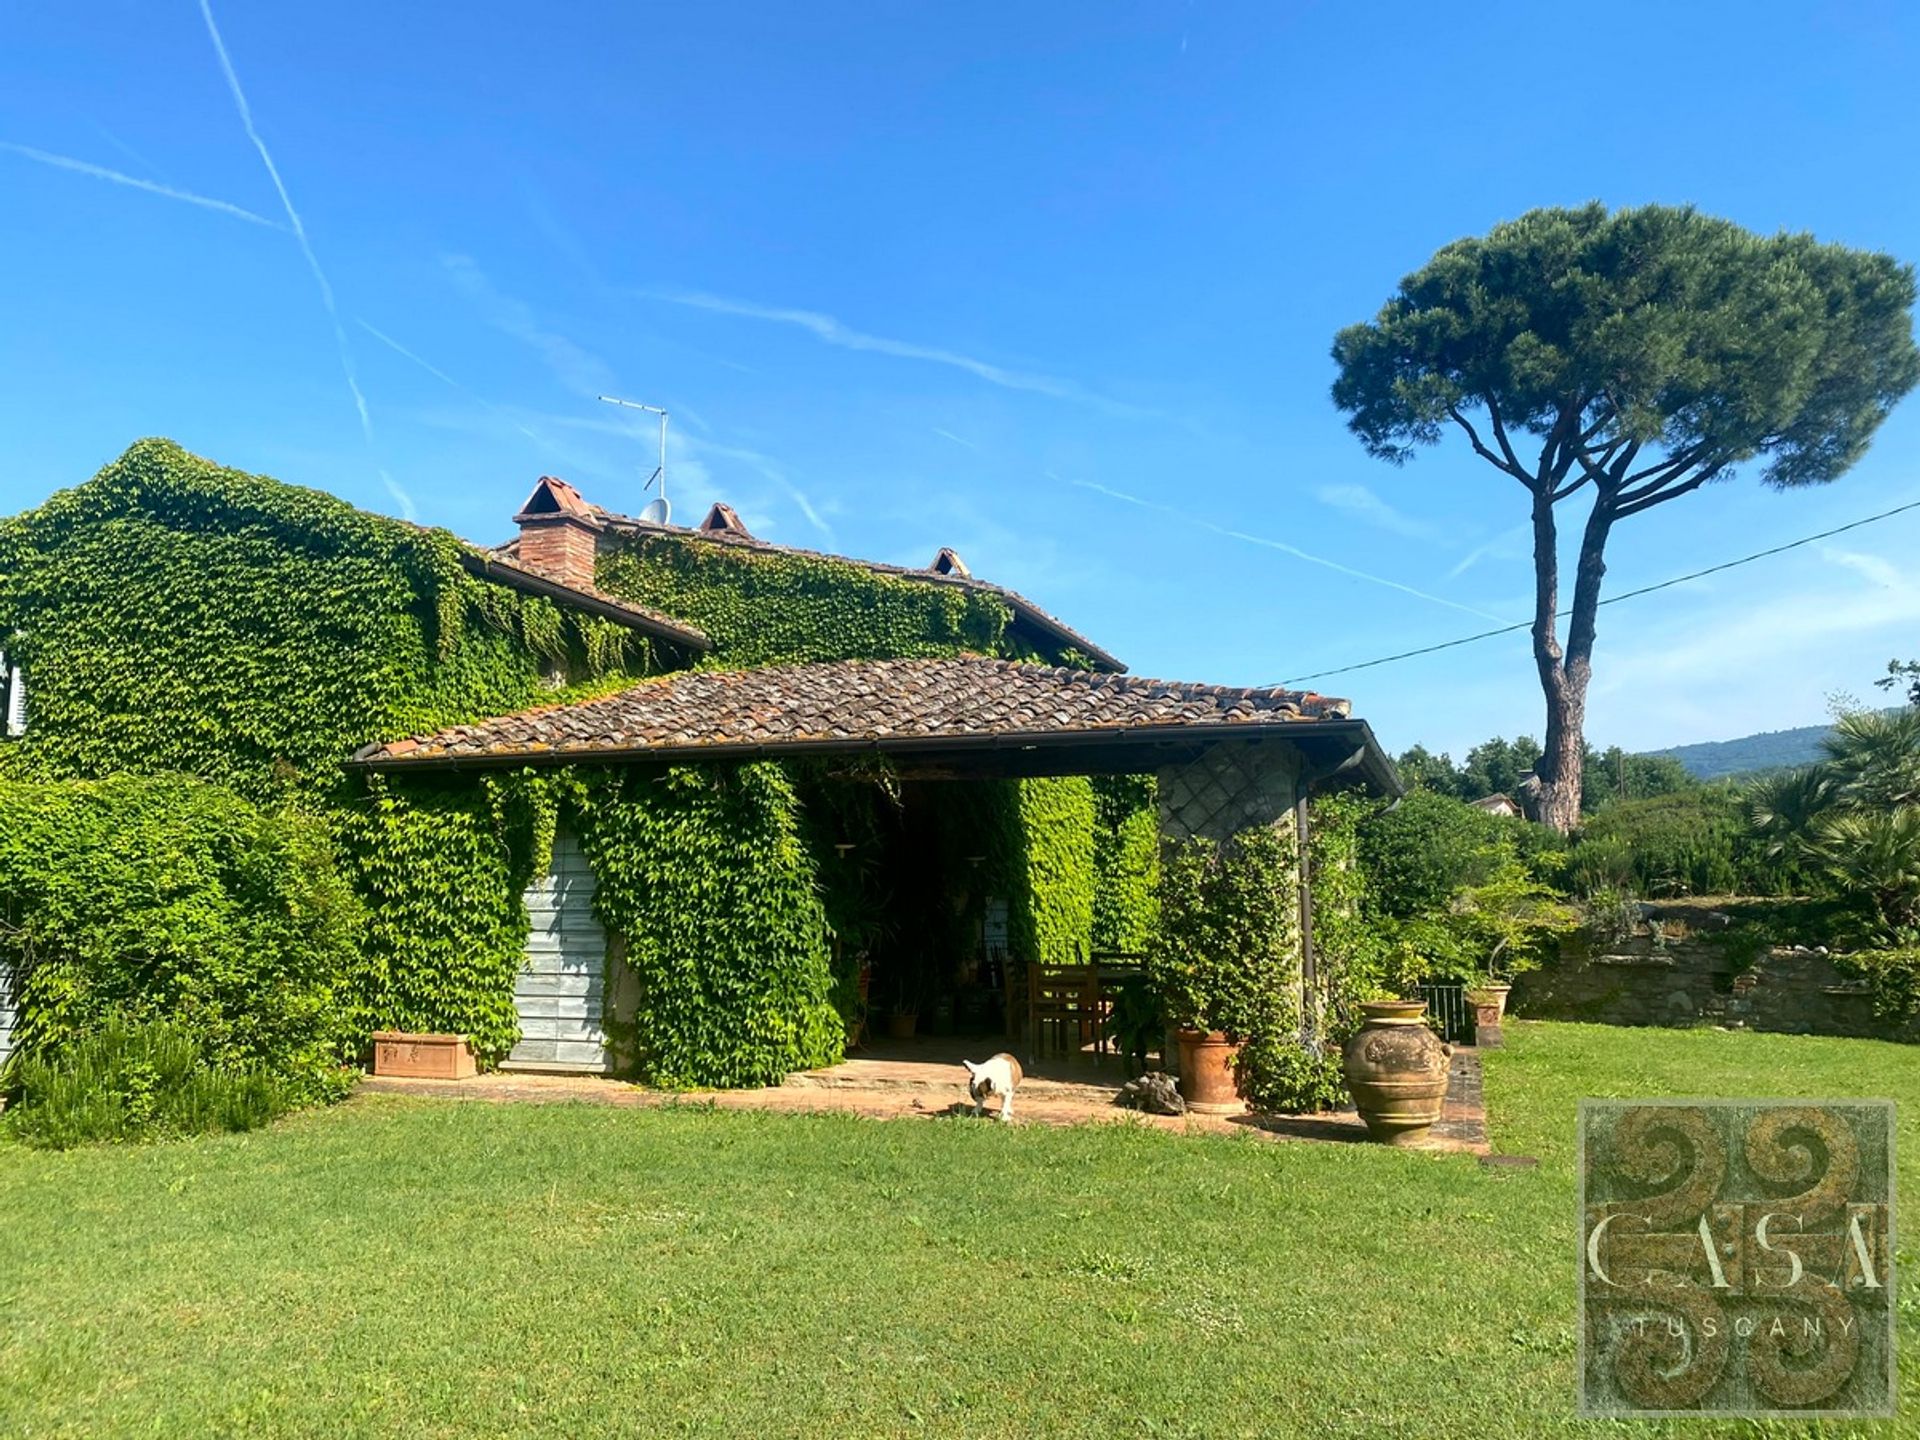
(657, 511)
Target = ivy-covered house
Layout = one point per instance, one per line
(619, 794)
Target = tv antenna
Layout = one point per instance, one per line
(657, 509)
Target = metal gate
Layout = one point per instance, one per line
(1448, 1009)
(7, 1014)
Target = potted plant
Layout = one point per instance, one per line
(903, 1016)
(1227, 913)
(1505, 924)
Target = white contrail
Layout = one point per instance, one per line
(831, 331)
(306, 249)
(134, 182)
(444, 378)
(1284, 548)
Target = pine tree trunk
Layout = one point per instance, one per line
(1564, 674)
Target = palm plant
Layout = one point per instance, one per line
(1875, 855)
(1853, 819)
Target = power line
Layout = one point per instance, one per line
(1612, 599)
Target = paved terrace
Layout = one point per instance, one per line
(923, 1081)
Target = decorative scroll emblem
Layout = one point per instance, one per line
(1737, 1258)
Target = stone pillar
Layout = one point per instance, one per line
(1486, 1019)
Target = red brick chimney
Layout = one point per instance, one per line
(559, 533)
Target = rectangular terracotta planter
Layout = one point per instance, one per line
(422, 1057)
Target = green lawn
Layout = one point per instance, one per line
(420, 1269)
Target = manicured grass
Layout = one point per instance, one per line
(422, 1269)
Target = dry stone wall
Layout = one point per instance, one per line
(1676, 968)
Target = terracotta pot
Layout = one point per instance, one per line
(1396, 1069)
(902, 1023)
(1489, 1003)
(422, 1057)
(1207, 1077)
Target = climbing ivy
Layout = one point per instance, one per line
(172, 614)
(1051, 913)
(765, 607)
(1126, 862)
(442, 864)
(702, 873)
(175, 615)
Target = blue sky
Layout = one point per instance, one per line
(1052, 284)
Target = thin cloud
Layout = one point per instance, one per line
(306, 248)
(572, 365)
(767, 467)
(949, 435)
(1270, 544)
(831, 331)
(1363, 505)
(134, 182)
(446, 379)
(127, 150)
(1504, 546)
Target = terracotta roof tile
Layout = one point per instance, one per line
(902, 701)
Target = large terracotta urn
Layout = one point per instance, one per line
(1397, 1070)
(1207, 1079)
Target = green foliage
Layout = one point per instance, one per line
(1051, 914)
(1502, 767)
(1421, 852)
(1852, 822)
(1899, 673)
(1654, 326)
(1280, 1075)
(1126, 863)
(1351, 959)
(172, 898)
(139, 1081)
(703, 874)
(1509, 923)
(766, 607)
(1892, 976)
(171, 614)
(1228, 952)
(443, 864)
(1696, 842)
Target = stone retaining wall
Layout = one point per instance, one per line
(1672, 970)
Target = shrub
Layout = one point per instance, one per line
(137, 1081)
(1419, 853)
(1696, 842)
(1228, 958)
(172, 898)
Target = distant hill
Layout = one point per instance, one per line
(1769, 750)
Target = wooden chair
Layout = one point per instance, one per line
(1064, 1007)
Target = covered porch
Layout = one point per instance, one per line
(930, 793)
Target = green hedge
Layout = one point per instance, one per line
(168, 898)
(174, 615)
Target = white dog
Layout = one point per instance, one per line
(998, 1076)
